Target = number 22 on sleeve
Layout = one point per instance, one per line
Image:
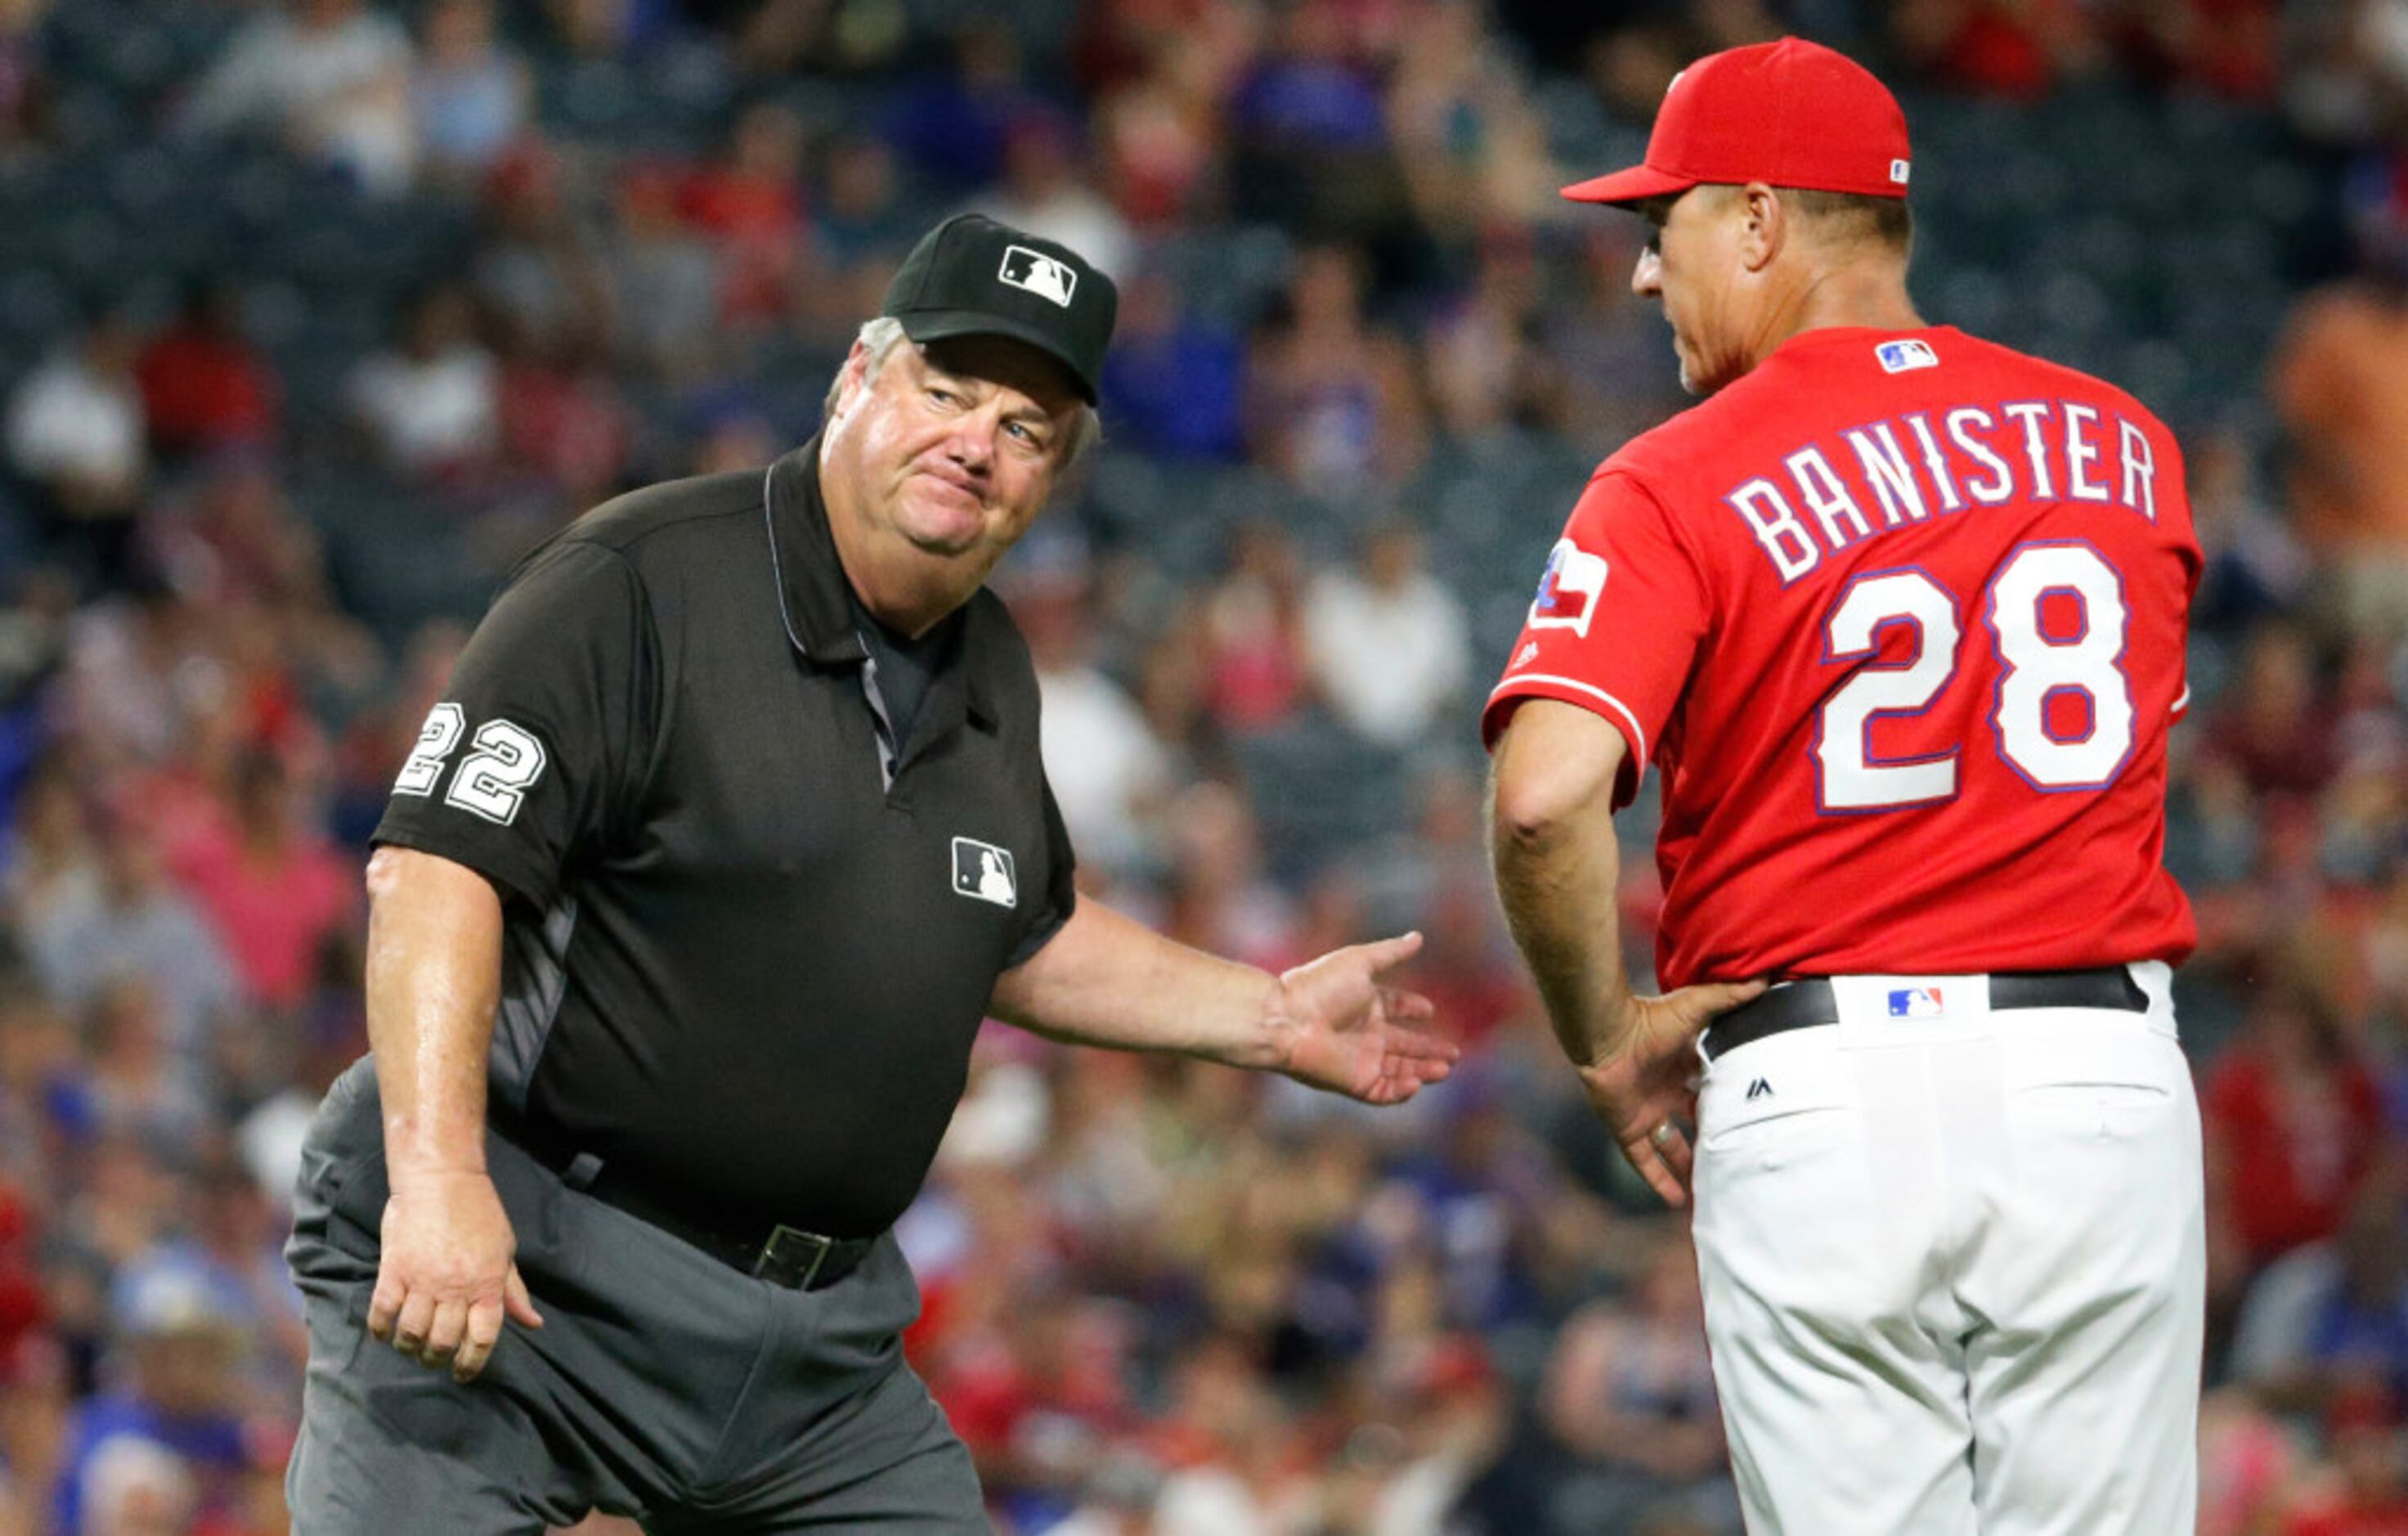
(492, 781)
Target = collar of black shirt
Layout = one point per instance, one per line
(819, 602)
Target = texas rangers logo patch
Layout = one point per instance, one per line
(1916, 1002)
(984, 872)
(1040, 274)
(1568, 593)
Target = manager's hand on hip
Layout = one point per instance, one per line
(1338, 1029)
(446, 1277)
(1639, 1088)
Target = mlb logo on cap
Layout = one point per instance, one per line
(1040, 274)
(970, 275)
(1916, 1002)
(1899, 356)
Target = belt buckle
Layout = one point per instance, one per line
(792, 1257)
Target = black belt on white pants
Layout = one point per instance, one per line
(1810, 1001)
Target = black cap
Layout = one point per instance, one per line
(970, 275)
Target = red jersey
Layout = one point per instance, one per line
(1898, 617)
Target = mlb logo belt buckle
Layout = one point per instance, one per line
(792, 1257)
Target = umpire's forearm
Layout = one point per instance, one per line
(434, 979)
(1551, 841)
(1108, 979)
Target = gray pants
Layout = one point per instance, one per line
(662, 1384)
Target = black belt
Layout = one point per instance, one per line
(1808, 1002)
(782, 1256)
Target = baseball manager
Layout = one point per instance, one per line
(728, 832)
(1898, 614)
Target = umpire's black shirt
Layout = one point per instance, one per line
(748, 938)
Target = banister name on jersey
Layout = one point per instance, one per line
(1898, 617)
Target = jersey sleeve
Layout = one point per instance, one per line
(541, 741)
(1060, 886)
(1618, 617)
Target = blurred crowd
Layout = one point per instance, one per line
(1363, 361)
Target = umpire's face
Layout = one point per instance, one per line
(942, 459)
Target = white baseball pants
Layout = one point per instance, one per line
(1955, 1268)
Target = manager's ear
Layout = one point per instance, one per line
(1770, 225)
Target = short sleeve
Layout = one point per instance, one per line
(1061, 886)
(1616, 622)
(540, 744)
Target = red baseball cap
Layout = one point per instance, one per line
(1791, 113)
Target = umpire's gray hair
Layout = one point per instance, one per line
(881, 335)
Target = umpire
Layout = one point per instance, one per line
(687, 908)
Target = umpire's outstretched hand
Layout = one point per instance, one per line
(1338, 1029)
(447, 1276)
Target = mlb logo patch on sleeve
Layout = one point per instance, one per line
(1567, 596)
(1916, 1002)
(984, 872)
(1899, 356)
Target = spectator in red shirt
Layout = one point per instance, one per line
(274, 892)
(1254, 672)
(2229, 46)
(2293, 1122)
(563, 419)
(204, 386)
(1477, 989)
(235, 539)
(1035, 1398)
(23, 1308)
(2273, 724)
(750, 204)
(2372, 1498)
(2247, 1464)
(2018, 49)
